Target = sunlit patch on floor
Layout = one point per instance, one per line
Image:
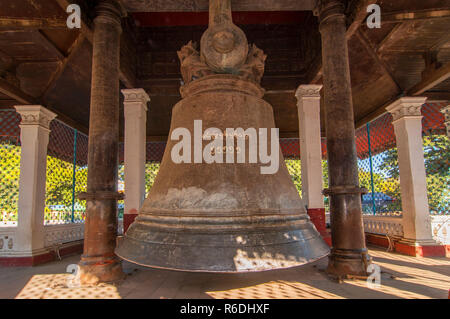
(55, 287)
(279, 289)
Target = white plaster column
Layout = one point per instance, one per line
(135, 108)
(407, 121)
(34, 136)
(308, 97)
(446, 112)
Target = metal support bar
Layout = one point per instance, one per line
(371, 170)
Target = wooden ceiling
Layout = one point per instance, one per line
(43, 62)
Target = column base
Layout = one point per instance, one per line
(343, 263)
(428, 248)
(128, 219)
(95, 270)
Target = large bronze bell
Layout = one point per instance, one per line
(222, 217)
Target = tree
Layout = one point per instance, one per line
(437, 158)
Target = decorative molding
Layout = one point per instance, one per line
(406, 107)
(193, 66)
(308, 91)
(135, 96)
(35, 115)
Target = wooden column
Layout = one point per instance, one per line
(98, 262)
(349, 254)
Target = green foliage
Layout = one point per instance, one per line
(295, 170)
(151, 170)
(9, 180)
(437, 159)
(59, 186)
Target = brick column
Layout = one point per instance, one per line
(407, 121)
(135, 109)
(98, 262)
(308, 97)
(349, 254)
(34, 137)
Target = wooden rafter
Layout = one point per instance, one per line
(15, 93)
(416, 15)
(370, 48)
(32, 23)
(18, 95)
(202, 5)
(431, 80)
(63, 64)
(47, 44)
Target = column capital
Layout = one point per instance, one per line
(327, 8)
(136, 96)
(110, 12)
(406, 107)
(35, 115)
(309, 91)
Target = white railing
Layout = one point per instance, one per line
(440, 227)
(390, 225)
(61, 234)
(54, 235)
(7, 239)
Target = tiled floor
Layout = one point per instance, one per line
(402, 277)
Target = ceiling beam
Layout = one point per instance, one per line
(125, 76)
(394, 35)
(364, 40)
(63, 64)
(47, 44)
(203, 5)
(415, 15)
(437, 96)
(15, 93)
(20, 97)
(431, 79)
(375, 113)
(33, 23)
